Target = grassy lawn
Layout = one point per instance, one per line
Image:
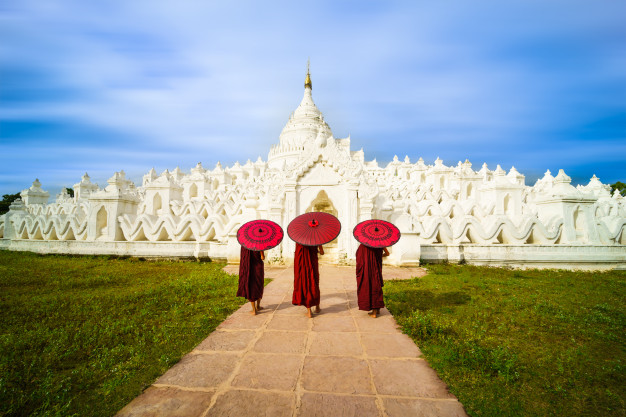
(84, 335)
(520, 343)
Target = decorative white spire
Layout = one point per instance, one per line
(307, 80)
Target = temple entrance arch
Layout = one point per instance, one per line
(333, 199)
(322, 203)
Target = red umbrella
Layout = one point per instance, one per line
(260, 235)
(314, 229)
(376, 233)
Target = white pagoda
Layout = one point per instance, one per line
(445, 213)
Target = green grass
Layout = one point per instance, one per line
(84, 335)
(520, 343)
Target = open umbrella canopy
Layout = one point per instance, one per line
(314, 228)
(260, 235)
(376, 233)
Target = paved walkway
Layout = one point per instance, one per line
(281, 363)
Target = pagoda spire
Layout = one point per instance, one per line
(307, 81)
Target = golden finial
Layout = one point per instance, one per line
(307, 81)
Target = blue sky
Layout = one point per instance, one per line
(102, 86)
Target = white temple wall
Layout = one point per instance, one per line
(194, 190)
(102, 219)
(508, 200)
(444, 213)
(468, 188)
(579, 224)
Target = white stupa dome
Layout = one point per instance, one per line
(305, 125)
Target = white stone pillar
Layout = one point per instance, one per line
(17, 211)
(291, 212)
(349, 242)
(275, 215)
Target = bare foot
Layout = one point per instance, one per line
(308, 312)
(259, 308)
(253, 312)
(317, 309)
(374, 313)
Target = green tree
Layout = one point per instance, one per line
(7, 199)
(70, 191)
(620, 186)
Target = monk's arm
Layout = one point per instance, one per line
(262, 255)
(321, 250)
(385, 252)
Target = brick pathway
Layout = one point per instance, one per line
(281, 363)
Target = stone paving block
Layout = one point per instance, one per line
(336, 344)
(389, 345)
(323, 405)
(244, 309)
(333, 324)
(353, 302)
(245, 321)
(337, 374)
(171, 402)
(274, 341)
(275, 271)
(331, 285)
(400, 407)
(330, 272)
(201, 370)
(276, 290)
(287, 308)
(274, 300)
(333, 297)
(270, 301)
(266, 307)
(227, 341)
(409, 378)
(385, 323)
(288, 322)
(280, 284)
(335, 308)
(269, 371)
(239, 403)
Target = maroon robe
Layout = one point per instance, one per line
(251, 275)
(369, 277)
(306, 277)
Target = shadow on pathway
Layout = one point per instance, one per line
(281, 363)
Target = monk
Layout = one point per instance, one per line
(369, 278)
(306, 278)
(251, 277)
